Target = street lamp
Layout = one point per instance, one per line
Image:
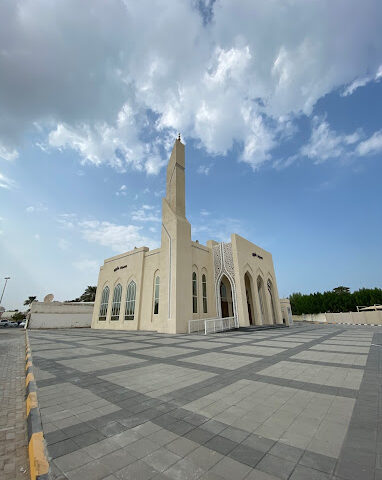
(6, 280)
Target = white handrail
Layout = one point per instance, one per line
(212, 325)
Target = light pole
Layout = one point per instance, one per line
(6, 280)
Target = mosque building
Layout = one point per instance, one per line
(162, 289)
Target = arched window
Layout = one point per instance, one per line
(194, 294)
(130, 301)
(104, 304)
(204, 292)
(156, 295)
(116, 305)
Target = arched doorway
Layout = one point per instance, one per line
(248, 291)
(226, 299)
(261, 293)
(271, 294)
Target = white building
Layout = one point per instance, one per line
(163, 289)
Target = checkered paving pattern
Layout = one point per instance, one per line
(298, 403)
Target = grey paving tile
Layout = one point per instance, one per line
(73, 460)
(221, 444)
(94, 471)
(276, 466)
(62, 448)
(199, 435)
(99, 449)
(287, 452)
(306, 473)
(231, 469)
(118, 459)
(259, 475)
(161, 459)
(184, 470)
(259, 443)
(246, 455)
(204, 457)
(234, 434)
(162, 437)
(136, 471)
(182, 446)
(126, 437)
(88, 438)
(143, 447)
(318, 462)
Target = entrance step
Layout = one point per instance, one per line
(253, 328)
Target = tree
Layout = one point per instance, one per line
(340, 299)
(19, 317)
(341, 289)
(89, 294)
(30, 300)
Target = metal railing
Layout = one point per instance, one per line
(212, 325)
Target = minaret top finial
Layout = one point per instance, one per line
(179, 137)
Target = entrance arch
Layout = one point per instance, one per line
(227, 308)
(272, 297)
(248, 291)
(261, 293)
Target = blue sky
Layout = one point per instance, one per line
(282, 125)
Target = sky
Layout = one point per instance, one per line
(279, 104)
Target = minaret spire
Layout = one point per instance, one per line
(175, 185)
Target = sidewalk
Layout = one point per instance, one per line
(13, 434)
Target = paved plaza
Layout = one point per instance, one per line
(298, 403)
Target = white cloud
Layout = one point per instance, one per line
(6, 182)
(324, 143)
(361, 82)
(146, 213)
(86, 265)
(122, 191)
(36, 236)
(124, 84)
(204, 213)
(8, 154)
(371, 146)
(36, 208)
(120, 238)
(204, 169)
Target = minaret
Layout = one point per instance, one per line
(176, 262)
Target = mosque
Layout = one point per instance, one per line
(162, 289)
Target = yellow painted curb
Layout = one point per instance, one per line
(37, 460)
(31, 401)
(29, 378)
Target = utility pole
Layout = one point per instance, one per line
(6, 280)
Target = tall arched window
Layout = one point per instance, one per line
(194, 293)
(156, 295)
(116, 305)
(104, 304)
(130, 301)
(204, 292)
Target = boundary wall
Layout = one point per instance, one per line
(60, 315)
(349, 318)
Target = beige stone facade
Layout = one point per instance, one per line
(162, 289)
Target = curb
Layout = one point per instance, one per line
(38, 459)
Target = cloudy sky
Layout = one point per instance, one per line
(279, 103)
